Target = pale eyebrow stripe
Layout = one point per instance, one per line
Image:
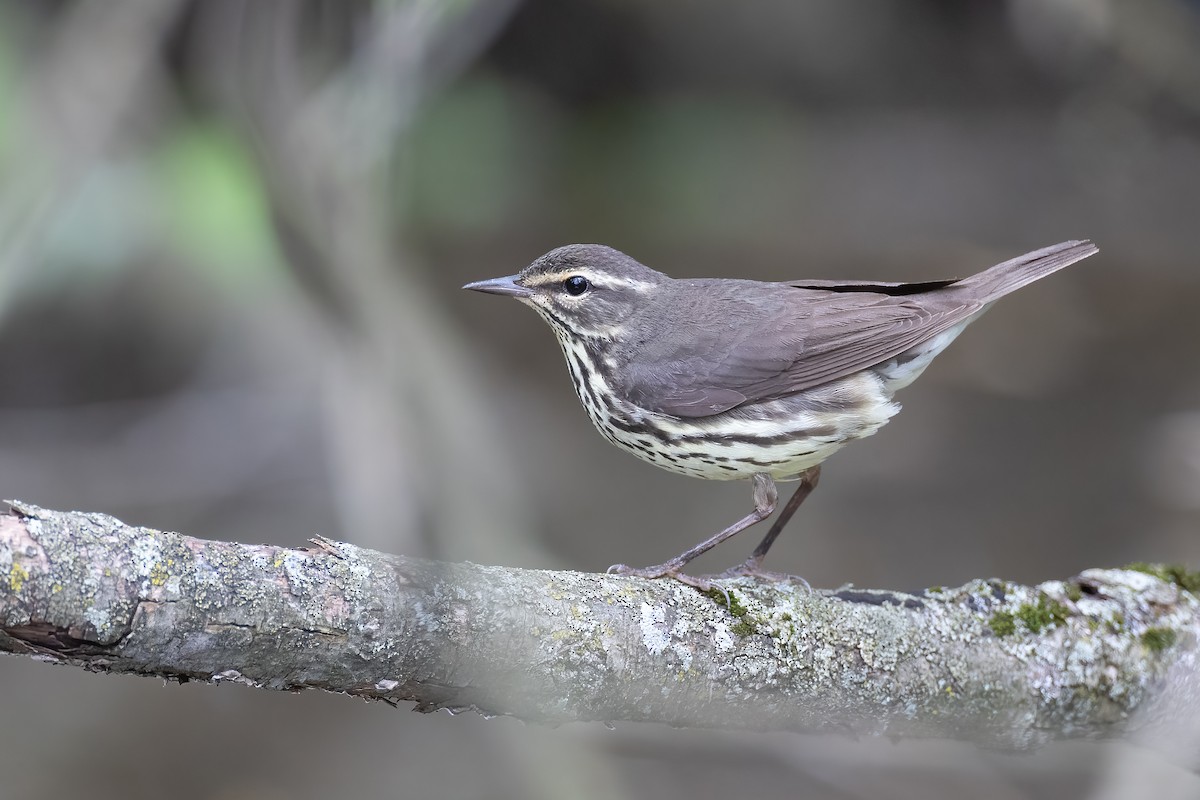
(597, 279)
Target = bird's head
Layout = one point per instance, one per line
(584, 291)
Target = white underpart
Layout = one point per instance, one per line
(903, 370)
(808, 426)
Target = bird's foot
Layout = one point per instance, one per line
(706, 583)
(752, 568)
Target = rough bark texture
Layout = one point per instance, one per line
(1104, 654)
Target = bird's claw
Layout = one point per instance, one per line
(704, 584)
(751, 568)
(659, 571)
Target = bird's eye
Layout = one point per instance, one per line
(576, 285)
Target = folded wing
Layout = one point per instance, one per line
(802, 338)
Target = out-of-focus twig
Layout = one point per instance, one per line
(93, 76)
(403, 407)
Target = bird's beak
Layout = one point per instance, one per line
(507, 286)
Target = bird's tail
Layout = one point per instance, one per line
(997, 281)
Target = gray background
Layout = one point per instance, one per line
(231, 241)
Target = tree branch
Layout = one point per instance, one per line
(1001, 664)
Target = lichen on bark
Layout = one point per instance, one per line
(1001, 664)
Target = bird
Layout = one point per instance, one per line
(733, 379)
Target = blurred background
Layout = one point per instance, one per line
(232, 236)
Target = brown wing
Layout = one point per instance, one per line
(721, 344)
(733, 348)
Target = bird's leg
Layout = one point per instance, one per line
(765, 498)
(808, 482)
(753, 564)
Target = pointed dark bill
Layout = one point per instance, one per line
(507, 286)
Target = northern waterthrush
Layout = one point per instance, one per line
(726, 379)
